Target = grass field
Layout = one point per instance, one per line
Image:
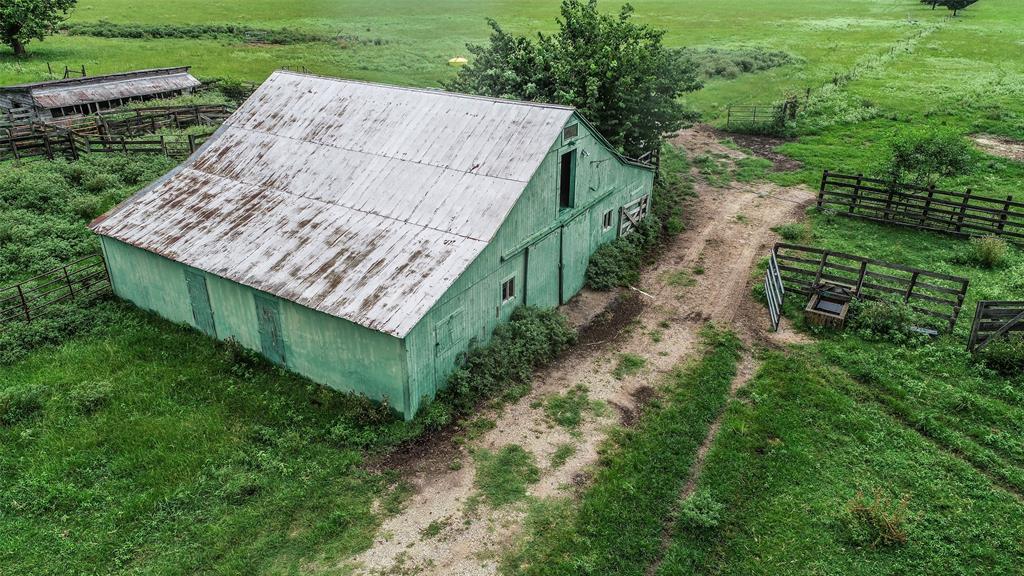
(144, 448)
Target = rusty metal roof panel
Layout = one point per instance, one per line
(110, 88)
(359, 200)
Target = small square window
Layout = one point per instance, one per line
(508, 290)
(570, 132)
(606, 223)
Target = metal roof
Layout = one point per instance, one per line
(89, 89)
(360, 200)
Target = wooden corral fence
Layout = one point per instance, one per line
(992, 320)
(31, 299)
(35, 141)
(149, 120)
(932, 294)
(925, 208)
(774, 291)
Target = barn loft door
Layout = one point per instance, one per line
(200, 299)
(271, 337)
(575, 254)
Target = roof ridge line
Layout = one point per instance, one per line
(439, 91)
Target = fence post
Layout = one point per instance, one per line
(163, 145)
(191, 143)
(856, 193)
(728, 117)
(72, 145)
(927, 205)
(1006, 214)
(887, 213)
(67, 278)
(963, 210)
(821, 191)
(46, 144)
(24, 305)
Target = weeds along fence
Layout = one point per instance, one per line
(33, 298)
(993, 320)
(938, 297)
(924, 208)
(149, 120)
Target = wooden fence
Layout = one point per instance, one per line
(149, 120)
(993, 320)
(36, 140)
(936, 296)
(31, 299)
(925, 208)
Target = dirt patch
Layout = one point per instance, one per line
(764, 146)
(1000, 146)
(608, 324)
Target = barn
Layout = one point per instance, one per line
(364, 235)
(72, 97)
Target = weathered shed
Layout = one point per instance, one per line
(91, 94)
(363, 235)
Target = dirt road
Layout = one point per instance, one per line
(705, 274)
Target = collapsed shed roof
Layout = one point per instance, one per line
(362, 201)
(90, 89)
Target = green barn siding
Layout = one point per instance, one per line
(529, 244)
(325, 349)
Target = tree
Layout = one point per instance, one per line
(956, 5)
(616, 72)
(25, 20)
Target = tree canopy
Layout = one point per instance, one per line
(24, 20)
(615, 71)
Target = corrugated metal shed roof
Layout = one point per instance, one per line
(359, 200)
(111, 88)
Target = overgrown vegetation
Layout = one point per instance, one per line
(240, 32)
(922, 156)
(729, 63)
(616, 528)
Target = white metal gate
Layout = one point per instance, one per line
(774, 291)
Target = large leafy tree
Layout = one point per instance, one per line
(24, 20)
(615, 71)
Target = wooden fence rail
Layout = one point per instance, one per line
(50, 143)
(33, 298)
(995, 319)
(925, 208)
(934, 295)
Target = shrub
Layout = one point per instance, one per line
(922, 156)
(988, 251)
(799, 232)
(888, 319)
(616, 263)
(502, 368)
(101, 182)
(700, 511)
(877, 520)
(19, 404)
(1005, 355)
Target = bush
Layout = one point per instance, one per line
(1005, 355)
(877, 520)
(988, 251)
(888, 319)
(921, 156)
(700, 511)
(616, 263)
(20, 404)
(502, 368)
(798, 232)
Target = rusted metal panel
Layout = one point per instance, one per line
(362, 201)
(92, 89)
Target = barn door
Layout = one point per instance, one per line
(199, 296)
(449, 340)
(574, 256)
(268, 317)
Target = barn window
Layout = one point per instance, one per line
(570, 132)
(508, 290)
(567, 181)
(606, 222)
